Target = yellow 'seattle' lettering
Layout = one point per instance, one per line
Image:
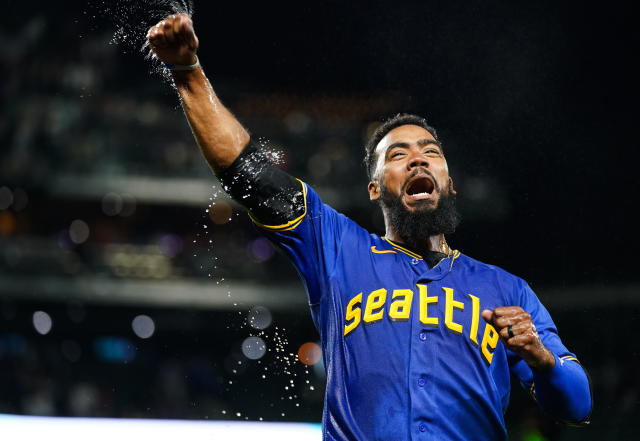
(475, 318)
(425, 301)
(401, 303)
(450, 305)
(489, 340)
(374, 310)
(353, 313)
(400, 309)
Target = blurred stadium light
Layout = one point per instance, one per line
(165, 293)
(27, 428)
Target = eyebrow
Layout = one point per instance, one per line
(405, 145)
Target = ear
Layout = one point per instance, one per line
(451, 189)
(374, 191)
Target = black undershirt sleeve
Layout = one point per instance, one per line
(272, 196)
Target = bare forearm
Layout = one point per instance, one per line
(218, 133)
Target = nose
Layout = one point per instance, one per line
(417, 159)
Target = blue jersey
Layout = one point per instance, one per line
(406, 351)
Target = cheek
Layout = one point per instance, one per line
(392, 179)
(443, 178)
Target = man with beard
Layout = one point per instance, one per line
(406, 352)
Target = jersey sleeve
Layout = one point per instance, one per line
(312, 241)
(564, 392)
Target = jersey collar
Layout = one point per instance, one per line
(445, 266)
(402, 250)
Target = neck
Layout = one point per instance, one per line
(436, 243)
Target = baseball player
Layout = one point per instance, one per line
(418, 340)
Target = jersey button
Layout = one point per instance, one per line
(423, 335)
(422, 427)
(421, 382)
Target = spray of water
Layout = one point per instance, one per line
(280, 360)
(132, 20)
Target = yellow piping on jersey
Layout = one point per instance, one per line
(395, 246)
(291, 224)
(570, 358)
(455, 255)
(404, 250)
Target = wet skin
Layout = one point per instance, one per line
(410, 164)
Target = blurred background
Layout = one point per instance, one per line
(131, 286)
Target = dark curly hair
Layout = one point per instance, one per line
(401, 119)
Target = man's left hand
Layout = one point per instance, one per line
(524, 339)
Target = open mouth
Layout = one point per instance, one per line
(420, 187)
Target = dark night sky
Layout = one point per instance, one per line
(539, 95)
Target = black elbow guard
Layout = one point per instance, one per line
(271, 195)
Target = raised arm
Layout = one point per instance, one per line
(219, 134)
(272, 196)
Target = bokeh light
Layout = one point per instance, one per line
(6, 198)
(254, 348)
(42, 322)
(171, 244)
(114, 349)
(319, 165)
(220, 212)
(309, 353)
(143, 326)
(7, 223)
(64, 240)
(260, 249)
(128, 205)
(114, 204)
(78, 231)
(259, 317)
(111, 204)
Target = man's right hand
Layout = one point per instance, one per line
(218, 133)
(173, 40)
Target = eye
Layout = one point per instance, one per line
(396, 154)
(431, 151)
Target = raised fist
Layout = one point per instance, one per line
(519, 334)
(173, 40)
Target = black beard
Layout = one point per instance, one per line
(416, 227)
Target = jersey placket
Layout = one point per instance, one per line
(424, 357)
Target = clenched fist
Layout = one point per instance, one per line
(519, 334)
(173, 40)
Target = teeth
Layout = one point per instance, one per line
(420, 194)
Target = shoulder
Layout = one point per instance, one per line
(490, 272)
(328, 218)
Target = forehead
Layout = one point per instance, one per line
(409, 134)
